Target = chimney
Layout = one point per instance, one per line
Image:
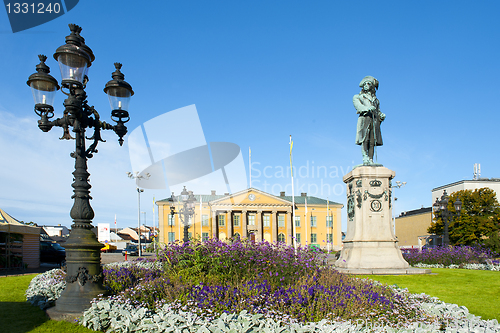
(227, 193)
(303, 194)
(213, 192)
(282, 194)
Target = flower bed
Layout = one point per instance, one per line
(449, 255)
(492, 266)
(245, 286)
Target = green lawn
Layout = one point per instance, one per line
(19, 316)
(479, 291)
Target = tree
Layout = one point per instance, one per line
(30, 223)
(478, 219)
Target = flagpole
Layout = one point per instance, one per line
(250, 165)
(201, 216)
(327, 218)
(294, 243)
(154, 225)
(305, 219)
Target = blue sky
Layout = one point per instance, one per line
(259, 71)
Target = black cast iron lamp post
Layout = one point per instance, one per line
(83, 258)
(188, 203)
(441, 208)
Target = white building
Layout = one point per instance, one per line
(492, 183)
(58, 230)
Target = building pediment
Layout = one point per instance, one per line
(251, 198)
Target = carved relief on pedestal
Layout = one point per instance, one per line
(358, 198)
(82, 276)
(375, 206)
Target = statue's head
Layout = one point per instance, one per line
(373, 81)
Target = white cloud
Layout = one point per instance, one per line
(36, 176)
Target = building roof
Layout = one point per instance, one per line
(6, 218)
(125, 236)
(10, 224)
(299, 199)
(480, 180)
(422, 210)
(205, 198)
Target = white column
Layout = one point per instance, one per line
(244, 232)
(258, 237)
(274, 227)
(215, 227)
(229, 224)
(289, 228)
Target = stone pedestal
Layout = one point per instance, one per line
(370, 246)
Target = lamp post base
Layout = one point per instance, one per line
(75, 300)
(83, 278)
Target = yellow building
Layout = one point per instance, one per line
(256, 215)
(411, 228)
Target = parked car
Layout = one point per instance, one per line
(109, 248)
(51, 252)
(131, 250)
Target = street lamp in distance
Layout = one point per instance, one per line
(440, 207)
(137, 177)
(186, 211)
(399, 184)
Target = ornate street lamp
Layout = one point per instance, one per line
(441, 207)
(188, 203)
(83, 258)
(399, 184)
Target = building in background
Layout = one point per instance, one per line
(19, 243)
(258, 216)
(491, 183)
(57, 231)
(411, 226)
(411, 229)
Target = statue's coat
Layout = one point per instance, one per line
(362, 102)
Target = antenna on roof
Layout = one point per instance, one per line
(477, 171)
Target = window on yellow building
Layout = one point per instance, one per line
(329, 238)
(281, 221)
(204, 236)
(171, 220)
(329, 221)
(281, 237)
(297, 221)
(267, 220)
(222, 220)
(171, 237)
(236, 235)
(313, 221)
(236, 220)
(314, 238)
(251, 219)
(297, 238)
(204, 220)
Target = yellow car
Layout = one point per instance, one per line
(109, 248)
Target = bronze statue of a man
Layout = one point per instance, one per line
(368, 107)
